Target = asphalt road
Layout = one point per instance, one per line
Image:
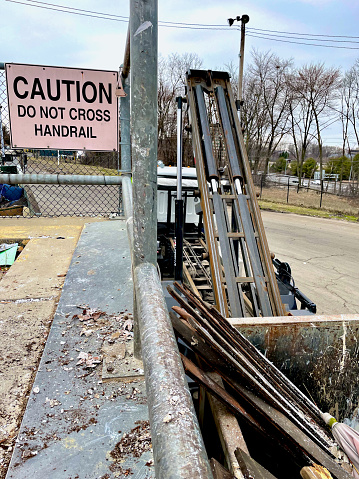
(323, 255)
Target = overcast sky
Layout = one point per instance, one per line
(34, 35)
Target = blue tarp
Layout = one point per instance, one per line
(11, 193)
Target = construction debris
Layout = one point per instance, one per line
(259, 394)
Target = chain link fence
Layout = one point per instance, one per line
(57, 200)
(328, 195)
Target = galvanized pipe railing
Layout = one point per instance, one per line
(127, 56)
(178, 447)
(38, 179)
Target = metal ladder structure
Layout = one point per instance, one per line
(243, 278)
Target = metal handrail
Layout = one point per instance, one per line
(178, 447)
(39, 179)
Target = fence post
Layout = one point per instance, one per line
(288, 191)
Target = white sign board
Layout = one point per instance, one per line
(62, 108)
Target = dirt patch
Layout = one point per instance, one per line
(24, 328)
(133, 443)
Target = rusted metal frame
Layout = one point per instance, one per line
(215, 360)
(197, 374)
(215, 265)
(178, 447)
(242, 245)
(266, 366)
(198, 263)
(297, 446)
(234, 298)
(247, 224)
(257, 218)
(237, 219)
(234, 256)
(292, 440)
(215, 334)
(256, 379)
(248, 306)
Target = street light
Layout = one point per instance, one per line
(243, 19)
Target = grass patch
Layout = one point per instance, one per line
(49, 165)
(302, 210)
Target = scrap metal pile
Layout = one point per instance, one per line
(255, 391)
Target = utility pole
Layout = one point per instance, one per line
(243, 19)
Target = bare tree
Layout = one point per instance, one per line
(265, 111)
(171, 82)
(315, 91)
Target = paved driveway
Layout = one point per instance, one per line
(324, 257)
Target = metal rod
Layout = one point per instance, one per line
(38, 179)
(178, 447)
(144, 33)
(179, 226)
(179, 217)
(179, 147)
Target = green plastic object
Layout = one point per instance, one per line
(8, 255)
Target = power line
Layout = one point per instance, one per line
(198, 26)
(67, 11)
(77, 9)
(302, 43)
(300, 38)
(307, 34)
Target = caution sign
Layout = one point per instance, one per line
(62, 108)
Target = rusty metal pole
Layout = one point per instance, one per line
(178, 448)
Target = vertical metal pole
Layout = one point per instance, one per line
(244, 20)
(125, 132)
(144, 46)
(288, 191)
(179, 217)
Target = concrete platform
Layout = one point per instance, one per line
(73, 419)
